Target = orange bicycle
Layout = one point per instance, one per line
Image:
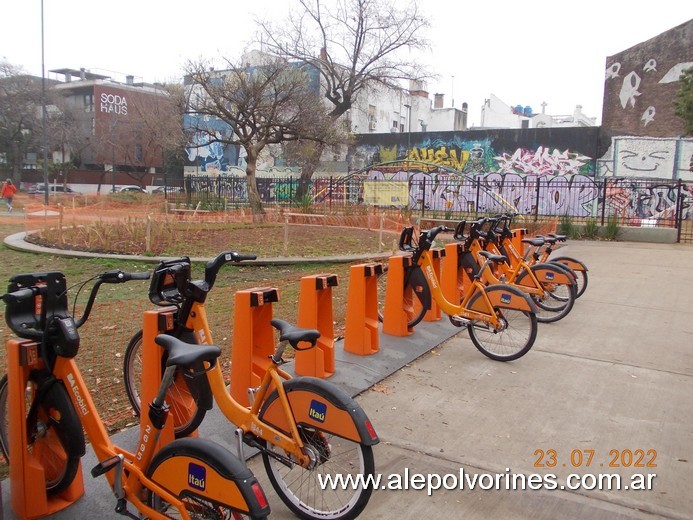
(540, 251)
(186, 478)
(551, 286)
(304, 427)
(500, 319)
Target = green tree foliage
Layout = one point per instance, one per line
(684, 100)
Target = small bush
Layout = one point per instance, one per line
(612, 230)
(591, 229)
(568, 228)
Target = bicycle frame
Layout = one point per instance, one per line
(67, 371)
(283, 431)
(491, 296)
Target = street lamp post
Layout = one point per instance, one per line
(43, 114)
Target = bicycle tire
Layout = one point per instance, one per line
(300, 488)
(232, 481)
(57, 447)
(551, 308)
(581, 277)
(420, 292)
(184, 412)
(506, 346)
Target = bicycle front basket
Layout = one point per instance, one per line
(169, 280)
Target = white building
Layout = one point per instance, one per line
(496, 114)
(381, 110)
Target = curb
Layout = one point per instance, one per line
(16, 242)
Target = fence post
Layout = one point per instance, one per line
(330, 193)
(678, 218)
(476, 203)
(603, 200)
(286, 236)
(423, 198)
(148, 237)
(536, 202)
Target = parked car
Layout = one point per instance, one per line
(130, 189)
(37, 189)
(168, 189)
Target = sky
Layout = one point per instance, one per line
(525, 53)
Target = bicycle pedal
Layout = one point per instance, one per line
(106, 465)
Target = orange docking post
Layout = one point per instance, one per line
(315, 312)
(399, 305)
(28, 495)
(253, 340)
(434, 313)
(518, 235)
(155, 322)
(361, 334)
(452, 277)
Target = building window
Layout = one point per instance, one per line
(88, 102)
(138, 153)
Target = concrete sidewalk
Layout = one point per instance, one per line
(614, 375)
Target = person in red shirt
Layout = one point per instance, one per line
(8, 191)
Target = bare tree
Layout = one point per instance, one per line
(258, 106)
(20, 116)
(67, 133)
(359, 43)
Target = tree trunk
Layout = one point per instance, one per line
(253, 194)
(308, 167)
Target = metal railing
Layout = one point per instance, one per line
(580, 198)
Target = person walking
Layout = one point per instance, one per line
(8, 191)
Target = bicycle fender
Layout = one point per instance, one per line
(320, 404)
(508, 297)
(575, 265)
(545, 273)
(204, 468)
(70, 432)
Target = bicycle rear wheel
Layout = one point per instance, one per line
(558, 299)
(415, 298)
(512, 341)
(184, 412)
(580, 272)
(55, 435)
(208, 479)
(307, 492)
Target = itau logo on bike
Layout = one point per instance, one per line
(197, 476)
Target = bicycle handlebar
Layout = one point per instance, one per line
(114, 276)
(212, 267)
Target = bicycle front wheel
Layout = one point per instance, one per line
(415, 299)
(511, 341)
(54, 436)
(184, 412)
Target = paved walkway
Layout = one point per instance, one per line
(615, 375)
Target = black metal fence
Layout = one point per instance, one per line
(579, 198)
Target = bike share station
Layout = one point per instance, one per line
(369, 353)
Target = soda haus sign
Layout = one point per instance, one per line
(113, 104)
